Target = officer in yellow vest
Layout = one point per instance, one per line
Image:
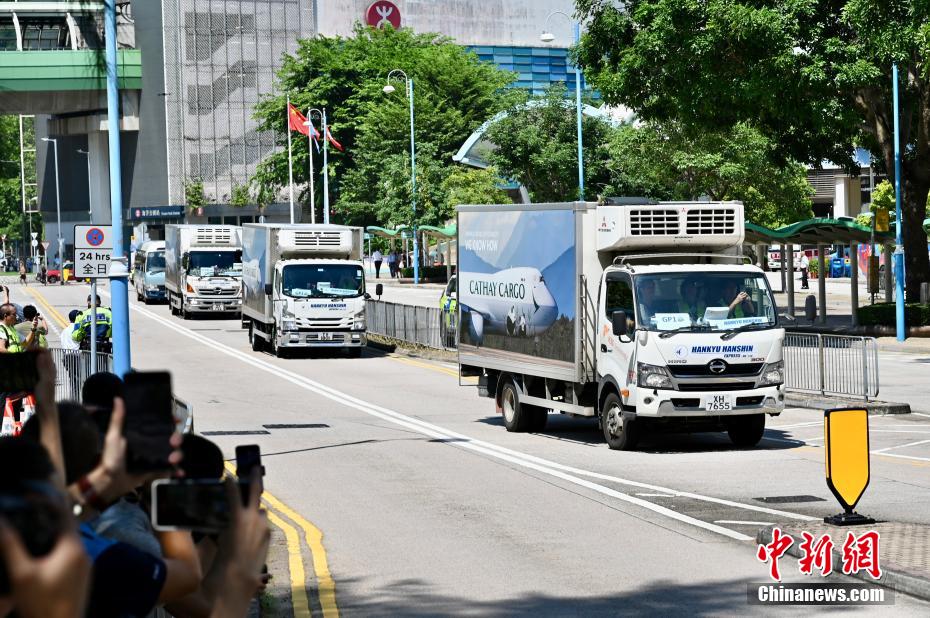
(9, 338)
(82, 332)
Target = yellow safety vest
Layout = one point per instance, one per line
(13, 344)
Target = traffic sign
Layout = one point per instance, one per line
(846, 441)
(34, 235)
(92, 247)
(35, 243)
(46, 244)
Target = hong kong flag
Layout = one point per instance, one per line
(332, 140)
(296, 120)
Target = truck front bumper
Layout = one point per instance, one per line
(212, 305)
(322, 339)
(157, 294)
(670, 404)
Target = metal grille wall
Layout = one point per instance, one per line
(220, 57)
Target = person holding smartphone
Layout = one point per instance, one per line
(10, 341)
(31, 314)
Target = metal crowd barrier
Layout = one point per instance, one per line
(73, 368)
(419, 325)
(831, 364)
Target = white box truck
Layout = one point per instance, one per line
(304, 287)
(642, 314)
(203, 269)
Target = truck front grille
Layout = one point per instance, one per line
(711, 387)
(702, 371)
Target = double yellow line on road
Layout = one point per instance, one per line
(278, 514)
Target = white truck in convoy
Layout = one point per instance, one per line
(304, 287)
(203, 269)
(642, 314)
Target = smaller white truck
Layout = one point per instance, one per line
(203, 269)
(304, 287)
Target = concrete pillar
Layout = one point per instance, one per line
(854, 282)
(761, 257)
(822, 282)
(887, 250)
(782, 269)
(448, 259)
(99, 177)
(789, 249)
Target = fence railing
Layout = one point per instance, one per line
(831, 364)
(426, 326)
(73, 368)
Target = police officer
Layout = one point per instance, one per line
(104, 332)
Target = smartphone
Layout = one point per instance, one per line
(248, 458)
(190, 504)
(38, 514)
(149, 421)
(18, 372)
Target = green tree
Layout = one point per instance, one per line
(240, 196)
(193, 194)
(814, 76)
(537, 146)
(454, 93)
(11, 206)
(663, 161)
(473, 186)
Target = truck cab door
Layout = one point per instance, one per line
(615, 351)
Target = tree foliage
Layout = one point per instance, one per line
(453, 94)
(663, 161)
(537, 145)
(814, 76)
(11, 206)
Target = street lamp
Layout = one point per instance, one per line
(388, 89)
(90, 202)
(548, 37)
(61, 251)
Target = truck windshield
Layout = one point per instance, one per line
(323, 281)
(216, 263)
(703, 301)
(155, 263)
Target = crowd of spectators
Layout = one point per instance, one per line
(76, 533)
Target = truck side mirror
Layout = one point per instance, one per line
(185, 259)
(379, 290)
(268, 289)
(618, 320)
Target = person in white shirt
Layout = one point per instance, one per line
(805, 264)
(377, 258)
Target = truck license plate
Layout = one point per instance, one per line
(718, 403)
(326, 336)
(217, 307)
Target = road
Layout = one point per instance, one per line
(428, 506)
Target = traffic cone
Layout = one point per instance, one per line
(9, 424)
(29, 409)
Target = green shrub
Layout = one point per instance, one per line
(883, 314)
(433, 273)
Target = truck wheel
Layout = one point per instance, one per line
(254, 340)
(621, 434)
(746, 430)
(519, 417)
(276, 350)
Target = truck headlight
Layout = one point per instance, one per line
(774, 373)
(190, 289)
(652, 376)
(151, 288)
(358, 321)
(288, 325)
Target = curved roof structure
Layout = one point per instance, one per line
(476, 148)
(815, 232)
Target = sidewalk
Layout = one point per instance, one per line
(903, 554)
(404, 292)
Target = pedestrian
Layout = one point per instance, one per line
(377, 258)
(30, 314)
(805, 264)
(22, 273)
(10, 340)
(104, 332)
(72, 356)
(392, 263)
(44, 276)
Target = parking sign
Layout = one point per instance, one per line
(92, 247)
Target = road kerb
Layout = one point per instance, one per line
(300, 602)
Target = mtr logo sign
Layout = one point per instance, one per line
(381, 14)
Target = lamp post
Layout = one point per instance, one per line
(388, 89)
(899, 247)
(548, 37)
(90, 195)
(61, 252)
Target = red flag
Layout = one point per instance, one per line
(332, 140)
(296, 120)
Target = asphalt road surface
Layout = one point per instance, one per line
(428, 506)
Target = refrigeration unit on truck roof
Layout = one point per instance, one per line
(665, 226)
(215, 236)
(325, 241)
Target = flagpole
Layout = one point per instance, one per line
(310, 150)
(290, 162)
(325, 169)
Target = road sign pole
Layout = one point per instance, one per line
(93, 326)
(119, 287)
